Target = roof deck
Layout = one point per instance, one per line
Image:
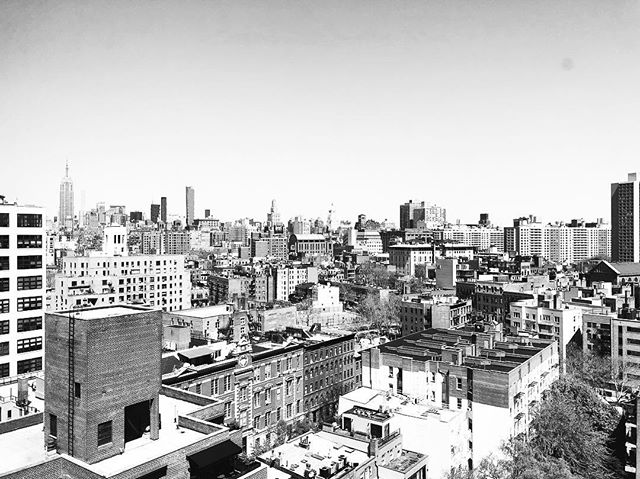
(24, 447)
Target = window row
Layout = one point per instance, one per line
(24, 324)
(29, 303)
(24, 241)
(24, 262)
(23, 283)
(24, 345)
(25, 220)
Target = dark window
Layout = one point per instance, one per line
(4, 348)
(29, 221)
(29, 241)
(4, 219)
(29, 324)
(4, 305)
(4, 263)
(4, 370)
(4, 241)
(29, 282)
(30, 303)
(104, 433)
(4, 284)
(4, 327)
(29, 365)
(77, 390)
(29, 344)
(29, 262)
(53, 425)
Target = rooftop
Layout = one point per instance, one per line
(25, 446)
(206, 312)
(405, 461)
(103, 312)
(317, 453)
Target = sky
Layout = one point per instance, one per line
(509, 107)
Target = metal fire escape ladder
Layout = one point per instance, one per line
(71, 391)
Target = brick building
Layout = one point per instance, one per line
(108, 415)
(259, 387)
(330, 369)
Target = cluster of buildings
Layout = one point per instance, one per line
(178, 346)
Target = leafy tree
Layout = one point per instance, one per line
(281, 433)
(574, 424)
(380, 313)
(372, 274)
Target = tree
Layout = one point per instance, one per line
(574, 424)
(281, 433)
(372, 274)
(380, 314)
(600, 371)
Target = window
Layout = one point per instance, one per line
(29, 365)
(227, 383)
(4, 241)
(289, 410)
(30, 262)
(214, 386)
(4, 327)
(4, 220)
(267, 396)
(256, 422)
(29, 344)
(278, 414)
(256, 400)
(29, 282)
(4, 305)
(53, 425)
(4, 284)
(227, 409)
(4, 263)
(459, 403)
(76, 390)
(29, 324)
(4, 348)
(29, 241)
(243, 393)
(104, 433)
(459, 383)
(29, 303)
(4, 370)
(289, 387)
(29, 220)
(277, 367)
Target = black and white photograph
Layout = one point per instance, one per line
(319, 239)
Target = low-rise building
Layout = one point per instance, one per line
(259, 386)
(424, 312)
(497, 382)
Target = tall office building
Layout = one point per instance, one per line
(163, 209)
(65, 212)
(155, 213)
(625, 220)
(190, 205)
(273, 217)
(22, 288)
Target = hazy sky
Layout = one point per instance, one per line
(508, 107)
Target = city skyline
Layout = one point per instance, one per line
(493, 102)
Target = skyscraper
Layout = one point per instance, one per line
(625, 220)
(190, 205)
(163, 209)
(273, 217)
(155, 212)
(65, 212)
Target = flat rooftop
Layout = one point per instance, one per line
(104, 312)
(206, 312)
(25, 447)
(376, 400)
(321, 452)
(405, 461)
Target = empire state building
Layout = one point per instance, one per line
(65, 213)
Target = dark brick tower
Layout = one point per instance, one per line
(102, 379)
